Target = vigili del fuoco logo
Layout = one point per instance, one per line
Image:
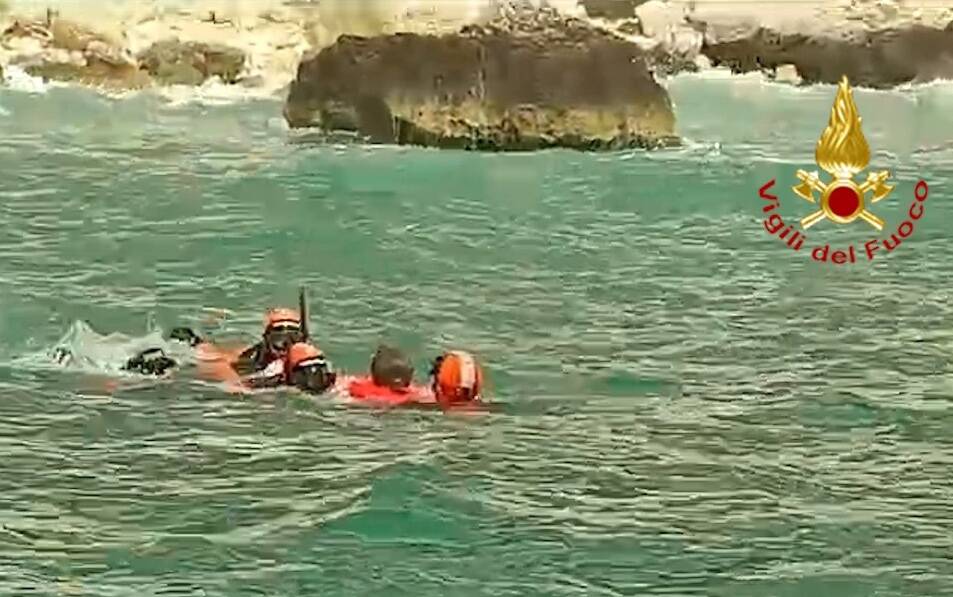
(842, 152)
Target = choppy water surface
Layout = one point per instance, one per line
(691, 408)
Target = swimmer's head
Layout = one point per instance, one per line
(307, 368)
(456, 378)
(282, 329)
(390, 368)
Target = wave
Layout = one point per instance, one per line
(83, 349)
(17, 79)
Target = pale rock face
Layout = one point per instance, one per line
(667, 24)
(659, 18)
(787, 73)
(23, 45)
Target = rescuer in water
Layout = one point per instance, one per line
(307, 369)
(390, 381)
(303, 366)
(282, 328)
(456, 380)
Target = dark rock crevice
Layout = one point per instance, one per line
(611, 9)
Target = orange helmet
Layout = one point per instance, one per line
(457, 377)
(300, 353)
(280, 316)
(307, 369)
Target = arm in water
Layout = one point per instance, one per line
(247, 362)
(154, 361)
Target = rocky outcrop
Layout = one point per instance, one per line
(64, 51)
(515, 84)
(879, 44)
(670, 42)
(171, 62)
(879, 59)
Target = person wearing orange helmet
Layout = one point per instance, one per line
(257, 364)
(262, 364)
(282, 329)
(307, 369)
(456, 379)
(304, 366)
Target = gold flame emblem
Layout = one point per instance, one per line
(842, 151)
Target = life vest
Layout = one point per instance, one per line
(363, 389)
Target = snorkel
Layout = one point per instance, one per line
(303, 310)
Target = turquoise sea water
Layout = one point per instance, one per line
(688, 406)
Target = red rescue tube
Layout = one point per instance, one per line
(363, 389)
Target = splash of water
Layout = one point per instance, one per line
(82, 348)
(18, 79)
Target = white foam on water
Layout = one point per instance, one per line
(18, 79)
(212, 93)
(84, 349)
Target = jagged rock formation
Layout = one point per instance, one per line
(172, 62)
(526, 82)
(64, 51)
(879, 44)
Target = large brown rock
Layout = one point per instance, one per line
(527, 84)
(172, 62)
(879, 59)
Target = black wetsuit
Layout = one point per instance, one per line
(152, 361)
(253, 359)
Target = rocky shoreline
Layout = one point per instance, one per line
(594, 84)
(878, 44)
(63, 51)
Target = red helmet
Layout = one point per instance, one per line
(457, 378)
(300, 354)
(282, 316)
(306, 368)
